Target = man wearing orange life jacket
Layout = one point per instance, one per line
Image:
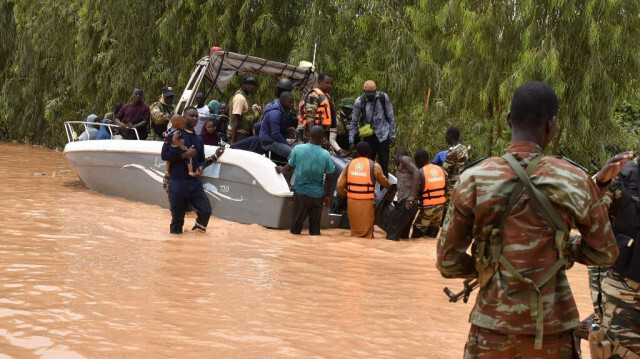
(319, 108)
(433, 194)
(357, 182)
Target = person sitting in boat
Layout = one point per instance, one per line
(214, 106)
(103, 132)
(243, 116)
(161, 112)
(273, 133)
(251, 143)
(204, 112)
(176, 139)
(134, 116)
(209, 133)
(222, 122)
(91, 131)
(339, 133)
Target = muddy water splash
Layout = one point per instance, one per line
(83, 275)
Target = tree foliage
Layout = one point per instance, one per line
(443, 62)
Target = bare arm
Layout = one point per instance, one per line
(235, 119)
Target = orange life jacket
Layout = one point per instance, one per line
(433, 184)
(360, 178)
(323, 114)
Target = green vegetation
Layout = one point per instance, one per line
(443, 63)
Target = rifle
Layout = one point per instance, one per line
(469, 285)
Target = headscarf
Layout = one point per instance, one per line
(210, 139)
(91, 132)
(214, 106)
(103, 133)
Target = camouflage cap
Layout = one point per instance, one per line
(347, 103)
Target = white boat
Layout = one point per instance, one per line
(242, 186)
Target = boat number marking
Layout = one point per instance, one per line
(224, 189)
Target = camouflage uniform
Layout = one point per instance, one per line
(160, 117)
(428, 221)
(457, 158)
(505, 304)
(620, 295)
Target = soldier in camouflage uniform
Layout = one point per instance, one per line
(319, 108)
(457, 157)
(517, 212)
(618, 288)
(161, 113)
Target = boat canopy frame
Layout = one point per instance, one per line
(218, 69)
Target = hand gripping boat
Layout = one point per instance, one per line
(242, 186)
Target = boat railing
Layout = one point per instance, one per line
(70, 131)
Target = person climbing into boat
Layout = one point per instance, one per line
(134, 115)
(403, 214)
(183, 188)
(313, 168)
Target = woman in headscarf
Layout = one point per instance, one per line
(208, 133)
(91, 131)
(103, 133)
(214, 106)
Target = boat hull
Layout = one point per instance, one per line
(243, 187)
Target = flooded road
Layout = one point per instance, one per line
(83, 275)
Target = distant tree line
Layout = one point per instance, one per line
(443, 62)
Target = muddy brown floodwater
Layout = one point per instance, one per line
(84, 275)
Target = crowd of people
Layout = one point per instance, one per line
(508, 220)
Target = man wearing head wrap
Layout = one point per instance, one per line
(374, 121)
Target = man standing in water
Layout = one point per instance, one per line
(403, 214)
(516, 211)
(184, 189)
(357, 182)
(432, 190)
(134, 115)
(314, 169)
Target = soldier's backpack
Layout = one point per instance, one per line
(488, 255)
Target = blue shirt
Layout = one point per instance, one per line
(310, 163)
(274, 123)
(440, 158)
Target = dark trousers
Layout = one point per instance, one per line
(303, 207)
(380, 149)
(182, 192)
(400, 220)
